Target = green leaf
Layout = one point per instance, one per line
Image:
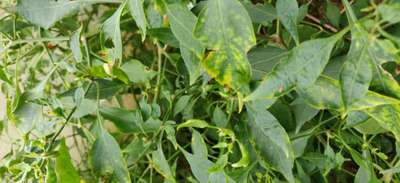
(388, 116)
(261, 13)
(65, 170)
(356, 117)
(371, 100)
(390, 12)
(303, 10)
(304, 178)
(26, 115)
(333, 13)
(302, 112)
(224, 26)
(3, 76)
(301, 68)
(199, 147)
(161, 164)
(164, 35)
(45, 13)
(196, 123)
(382, 51)
(181, 104)
(135, 150)
(182, 25)
(106, 158)
(365, 173)
(356, 73)
(171, 135)
(106, 88)
(199, 164)
(384, 81)
(51, 176)
(263, 59)
(326, 94)
(75, 45)
(192, 63)
(287, 11)
(245, 160)
(222, 161)
(370, 127)
(112, 31)
(129, 121)
(220, 118)
(38, 90)
(137, 72)
(137, 12)
(271, 139)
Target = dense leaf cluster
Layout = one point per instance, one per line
(200, 91)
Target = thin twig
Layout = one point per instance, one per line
(66, 121)
(325, 25)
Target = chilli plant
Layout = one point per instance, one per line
(200, 91)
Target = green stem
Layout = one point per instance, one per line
(69, 117)
(159, 72)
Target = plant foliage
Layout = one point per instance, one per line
(200, 91)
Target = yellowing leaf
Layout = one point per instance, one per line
(193, 123)
(301, 68)
(326, 94)
(356, 73)
(388, 117)
(271, 138)
(224, 26)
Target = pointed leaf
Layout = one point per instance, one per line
(301, 68)
(326, 94)
(26, 115)
(135, 150)
(182, 25)
(390, 12)
(137, 12)
(263, 60)
(112, 31)
(271, 139)
(287, 11)
(261, 13)
(106, 158)
(224, 26)
(302, 112)
(193, 123)
(192, 63)
(3, 76)
(76, 45)
(129, 121)
(356, 73)
(65, 170)
(137, 72)
(161, 164)
(388, 117)
(199, 147)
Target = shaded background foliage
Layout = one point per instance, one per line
(201, 91)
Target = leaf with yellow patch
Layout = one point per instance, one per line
(224, 26)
